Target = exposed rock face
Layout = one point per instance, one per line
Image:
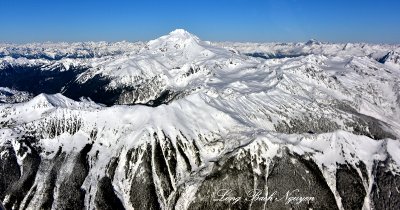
(142, 180)
(19, 189)
(50, 180)
(10, 171)
(272, 186)
(351, 187)
(105, 196)
(70, 194)
(385, 193)
(160, 175)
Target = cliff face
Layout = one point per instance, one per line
(165, 173)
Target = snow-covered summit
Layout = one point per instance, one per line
(170, 63)
(175, 39)
(52, 100)
(392, 58)
(313, 42)
(180, 43)
(57, 101)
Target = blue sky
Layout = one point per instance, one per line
(216, 20)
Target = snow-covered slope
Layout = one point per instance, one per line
(173, 63)
(317, 118)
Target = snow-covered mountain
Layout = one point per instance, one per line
(191, 124)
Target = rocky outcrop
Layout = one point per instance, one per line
(166, 174)
(18, 191)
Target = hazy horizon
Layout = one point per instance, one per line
(27, 21)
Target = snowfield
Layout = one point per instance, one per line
(167, 123)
